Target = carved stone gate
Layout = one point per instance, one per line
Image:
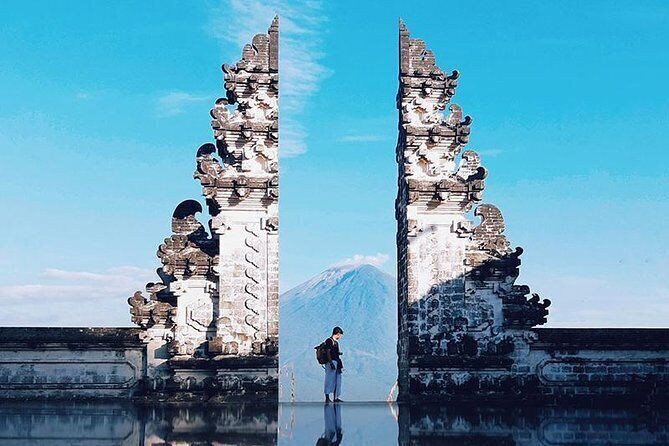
(465, 326)
(211, 322)
(209, 328)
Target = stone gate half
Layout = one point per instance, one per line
(465, 326)
(211, 322)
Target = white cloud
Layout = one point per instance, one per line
(73, 298)
(300, 52)
(59, 274)
(490, 153)
(591, 301)
(292, 139)
(361, 138)
(360, 259)
(172, 103)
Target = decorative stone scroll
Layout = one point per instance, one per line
(456, 294)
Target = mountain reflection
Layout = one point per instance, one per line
(122, 423)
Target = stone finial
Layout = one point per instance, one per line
(245, 126)
(433, 130)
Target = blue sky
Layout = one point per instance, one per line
(105, 104)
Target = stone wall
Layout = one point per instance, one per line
(71, 362)
(553, 364)
(465, 326)
(605, 362)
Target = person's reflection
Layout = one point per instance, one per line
(332, 419)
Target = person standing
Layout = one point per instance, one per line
(334, 366)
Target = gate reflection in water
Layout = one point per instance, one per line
(121, 423)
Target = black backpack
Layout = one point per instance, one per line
(322, 353)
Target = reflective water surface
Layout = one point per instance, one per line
(317, 424)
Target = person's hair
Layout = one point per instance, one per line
(337, 330)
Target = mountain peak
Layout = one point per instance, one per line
(361, 299)
(361, 268)
(334, 275)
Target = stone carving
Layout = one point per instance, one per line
(491, 259)
(147, 313)
(519, 311)
(247, 136)
(208, 170)
(188, 256)
(253, 287)
(488, 235)
(272, 224)
(201, 313)
(188, 252)
(456, 288)
(466, 329)
(181, 344)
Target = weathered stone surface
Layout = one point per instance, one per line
(43, 336)
(242, 194)
(456, 279)
(148, 312)
(71, 362)
(601, 338)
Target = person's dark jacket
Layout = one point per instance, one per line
(333, 352)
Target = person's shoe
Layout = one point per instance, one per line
(337, 400)
(327, 399)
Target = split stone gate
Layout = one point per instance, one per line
(208, 328)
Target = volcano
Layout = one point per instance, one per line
(362, 300)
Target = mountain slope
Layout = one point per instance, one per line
(360, 299)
